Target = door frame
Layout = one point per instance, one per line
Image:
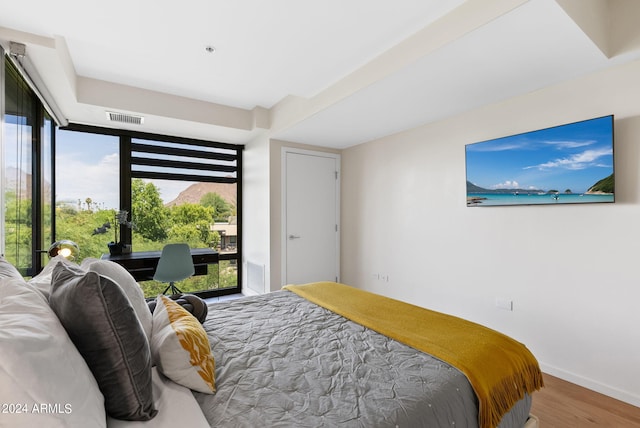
(283, 207)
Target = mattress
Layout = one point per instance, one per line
(282, 361)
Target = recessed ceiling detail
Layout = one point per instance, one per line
(400, 65)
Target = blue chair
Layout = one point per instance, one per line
(175, 264)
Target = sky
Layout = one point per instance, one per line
(573, 156)
(88, 167)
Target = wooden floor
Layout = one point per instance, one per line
(561, 404)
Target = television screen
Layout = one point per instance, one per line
(566, 164)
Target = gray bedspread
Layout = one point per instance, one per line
(282, 361)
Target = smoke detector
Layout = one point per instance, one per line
(113, 116)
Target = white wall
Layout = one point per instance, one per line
(571, 271)
(255, 205)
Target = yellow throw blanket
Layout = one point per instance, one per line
(499, 368)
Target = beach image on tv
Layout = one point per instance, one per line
(566, 164)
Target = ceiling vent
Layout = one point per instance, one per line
(124, 118)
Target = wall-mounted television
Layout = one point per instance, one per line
(565, 164)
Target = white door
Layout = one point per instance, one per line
(311, 216)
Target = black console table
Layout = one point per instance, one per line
(142, 265)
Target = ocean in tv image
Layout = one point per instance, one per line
(566, 164)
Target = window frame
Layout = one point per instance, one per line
(43, 127)
(127, 161)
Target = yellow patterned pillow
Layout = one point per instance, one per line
(180, 347)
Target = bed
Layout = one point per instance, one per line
(322, 354)
(285, 359)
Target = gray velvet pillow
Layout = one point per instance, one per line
(128, 284)
(104, 327)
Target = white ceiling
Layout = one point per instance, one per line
(333, 73)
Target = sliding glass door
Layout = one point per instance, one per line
(27, 142)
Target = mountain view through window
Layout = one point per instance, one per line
(162, 211)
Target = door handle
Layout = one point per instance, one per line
(291, 237)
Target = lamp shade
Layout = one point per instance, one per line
(65, 248)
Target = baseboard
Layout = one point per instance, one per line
(591, 384)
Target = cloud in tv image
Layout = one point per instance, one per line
(566, 164)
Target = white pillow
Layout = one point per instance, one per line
(177, 407)
(128, 284)
(180, 347)
(42, 374)
(42, 281)
(7, 270)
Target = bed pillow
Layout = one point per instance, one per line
(128, 284)
(190, 302)
(104, 327)
(180, 347)
(42, 281)
(7, 270)
(177, 407)
(40, 366)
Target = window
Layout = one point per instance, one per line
(69, 183)
(87, 189)
(27, 142)
(173, 190)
